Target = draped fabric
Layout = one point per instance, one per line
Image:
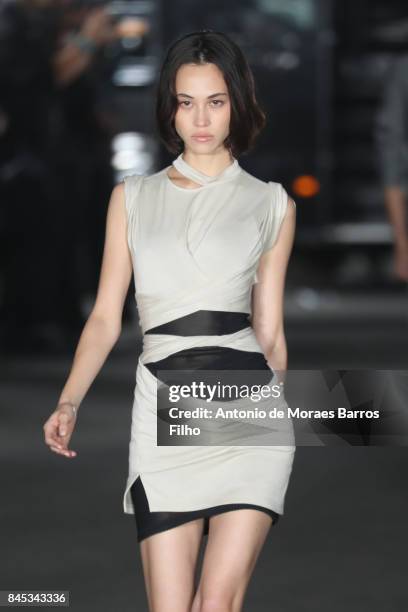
(198, 249)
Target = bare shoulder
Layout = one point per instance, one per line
(286, 234)
(116, 208)
(117, 198)
(119, 190)
(291, 209)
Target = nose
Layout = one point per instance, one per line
(201, 116)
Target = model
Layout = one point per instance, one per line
(209, 245)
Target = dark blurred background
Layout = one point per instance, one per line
(77, 81)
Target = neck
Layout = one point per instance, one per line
(210, 164)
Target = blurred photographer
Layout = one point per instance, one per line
(392, 143)
(81, 163)
(54, 166)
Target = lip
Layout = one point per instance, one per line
(202, 138)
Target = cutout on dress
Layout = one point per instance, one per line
(181, 176)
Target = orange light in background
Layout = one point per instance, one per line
(305, 186)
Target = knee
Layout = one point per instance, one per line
(216, 602)
(215, 605)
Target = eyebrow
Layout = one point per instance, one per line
(212, 95)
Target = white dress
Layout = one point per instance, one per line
(199, 249)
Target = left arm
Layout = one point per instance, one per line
(268, 293)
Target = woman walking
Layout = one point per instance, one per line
(209, 245)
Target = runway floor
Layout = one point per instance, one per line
(341, 544)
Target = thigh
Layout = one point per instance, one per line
(235, 540)
(169, 560)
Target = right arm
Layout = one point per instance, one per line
(390, 136)
(103, 326)
(395, 203)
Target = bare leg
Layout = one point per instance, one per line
(169, 560)
(235, 540)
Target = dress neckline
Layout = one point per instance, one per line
(203, 179)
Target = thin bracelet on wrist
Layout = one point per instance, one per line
(83, 43)
(74, 408)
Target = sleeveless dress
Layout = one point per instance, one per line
(195, 252)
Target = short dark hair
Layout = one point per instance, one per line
(202, 47)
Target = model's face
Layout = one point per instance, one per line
(203, 107)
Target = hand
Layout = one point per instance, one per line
(98, 27)
(401, 263)
(58, 429)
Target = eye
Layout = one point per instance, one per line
(184, 102)
(219, 102)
